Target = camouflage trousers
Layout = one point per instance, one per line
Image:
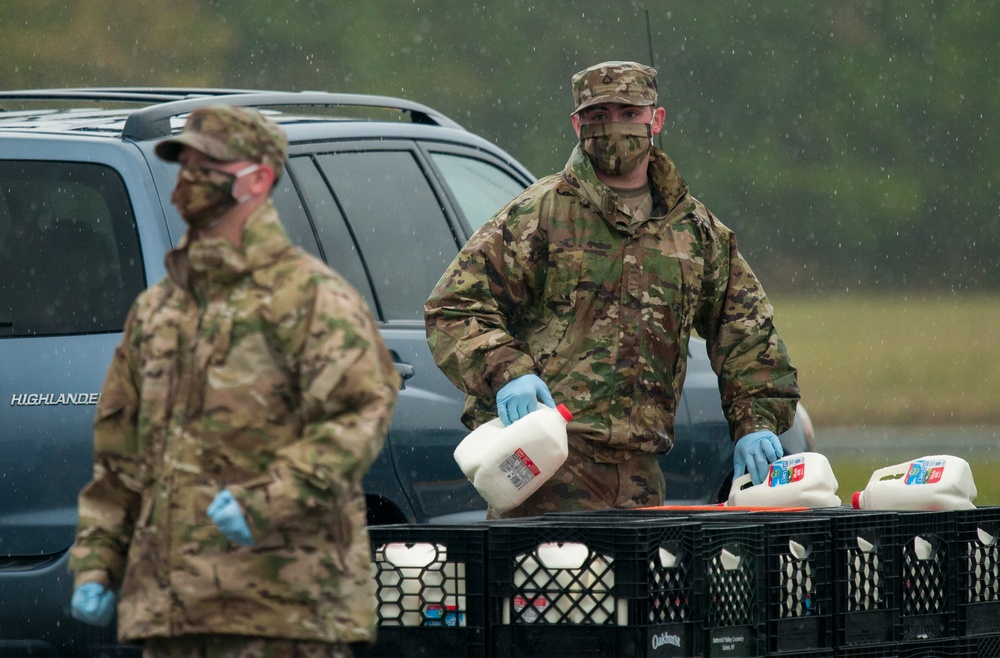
(584, 484)
(238, 646)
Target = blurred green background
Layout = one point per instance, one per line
(853, 145)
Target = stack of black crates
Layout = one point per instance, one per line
(662, 583)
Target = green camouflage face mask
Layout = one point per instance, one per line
(202, 195)
(616, 148)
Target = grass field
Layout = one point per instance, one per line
(868, 360)
(895, 360)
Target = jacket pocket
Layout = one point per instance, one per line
(559, 306)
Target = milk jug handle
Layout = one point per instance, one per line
(738, 484)
(898, 469)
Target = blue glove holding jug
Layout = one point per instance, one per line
(94, 604)
(225, 513)
(754, 453)
(519, 397)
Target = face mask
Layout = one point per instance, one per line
(616, 148)
(203, 195)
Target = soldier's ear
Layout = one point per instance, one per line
(263, 179)
(659, 116)
(575, 120)
(257, 182)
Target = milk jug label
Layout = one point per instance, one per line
(436, 614)
(519, 469)
(527, 611)
(785, 471)
(925, 471)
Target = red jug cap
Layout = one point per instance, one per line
(856, 500)
(561, 408)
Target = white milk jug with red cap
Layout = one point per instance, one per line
(804, 479)
(508, 464)
(934, 483)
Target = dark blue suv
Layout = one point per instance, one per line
(385, 190)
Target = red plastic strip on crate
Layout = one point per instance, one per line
(718, 508)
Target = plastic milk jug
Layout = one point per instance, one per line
(804, 479)
(418, 586)
(934, 483)
(508, 464)
(564, 583)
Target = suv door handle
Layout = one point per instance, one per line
(404, 369)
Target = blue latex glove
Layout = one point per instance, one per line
(225, 512)
(93, 603)
(754, 454)
(519, 397)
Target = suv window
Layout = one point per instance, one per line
(293, 215)
(69, 253)
(479, 187)
(401, 230)
(338, 245)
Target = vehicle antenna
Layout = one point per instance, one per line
(652, 62)
(649, 40)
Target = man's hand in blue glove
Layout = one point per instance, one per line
(754, 454)
(225, 512)
(93, 603)
(519, 397)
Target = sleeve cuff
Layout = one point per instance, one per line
(92, 576)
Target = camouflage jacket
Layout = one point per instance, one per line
(260, 370)
(564, 284)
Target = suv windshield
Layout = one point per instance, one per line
(69, 255)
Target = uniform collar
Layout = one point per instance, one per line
(665, 181)
(217, 261)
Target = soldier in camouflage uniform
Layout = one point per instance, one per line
(586, 288)
(250, 393)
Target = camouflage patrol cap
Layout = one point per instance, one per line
(227, 133)
(628, 83)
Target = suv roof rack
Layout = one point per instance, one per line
(121, 94)
(153, 121)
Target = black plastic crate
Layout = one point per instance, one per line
(799, 580)
(978, 560)
(866, 571)
(929, 579)
(984, 646)
(736, 614)
(890, 650)
(940, 648)
(734, 598)
(587, 586)
(733, 556)
(430, 591)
